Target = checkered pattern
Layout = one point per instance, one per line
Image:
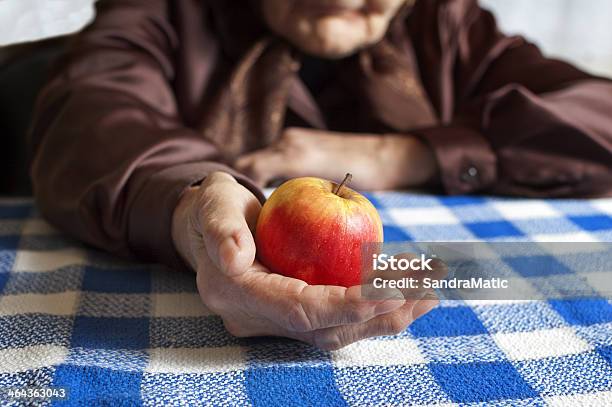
(118, 333)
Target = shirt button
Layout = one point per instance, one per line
(470, 175)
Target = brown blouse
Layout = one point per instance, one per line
(156, 94)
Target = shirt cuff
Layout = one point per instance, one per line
(150, 220)
(465, 158)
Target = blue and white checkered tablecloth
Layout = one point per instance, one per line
(117, 333)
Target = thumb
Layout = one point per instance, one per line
(226, 213)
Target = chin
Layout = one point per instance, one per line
(332, 51)
(335, 44)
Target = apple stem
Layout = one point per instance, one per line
(347, 180)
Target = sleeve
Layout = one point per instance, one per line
(111, 155)
(513, 121)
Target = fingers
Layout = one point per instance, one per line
(227, 214)
(422, 307)
(393, 323)
(334, 338)
(265, 165)
(297, 153)
(338, 337)
(299, 307)
(328, 317)
(317, 307)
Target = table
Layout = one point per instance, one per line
(120, 333)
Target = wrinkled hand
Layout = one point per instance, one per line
(212, 230)
(377, 162)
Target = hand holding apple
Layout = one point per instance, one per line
(314, 230)
(211, 229)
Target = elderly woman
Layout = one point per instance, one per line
(167, 116)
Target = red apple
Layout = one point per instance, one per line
(313, 229)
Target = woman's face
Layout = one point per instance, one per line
(330, 28)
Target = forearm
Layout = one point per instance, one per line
(406, 162)
(108, 174)
(112, 154)
(554, 144)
